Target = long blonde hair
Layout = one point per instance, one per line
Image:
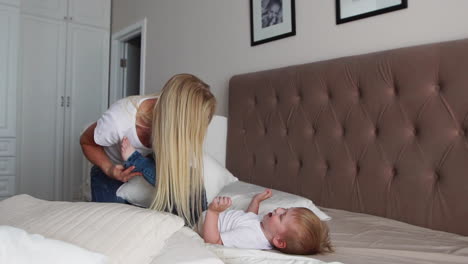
(180, 120)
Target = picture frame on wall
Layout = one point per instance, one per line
(271, 20)
(350, 10)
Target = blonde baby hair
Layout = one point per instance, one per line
(308, 235)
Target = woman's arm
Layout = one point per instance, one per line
(96, 155)
(210, 227)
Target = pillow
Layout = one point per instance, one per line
(139, 192)
(124, 233)
(241, 194)
(19, 247)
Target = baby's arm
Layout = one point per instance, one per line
(257, 199)
(210, 227)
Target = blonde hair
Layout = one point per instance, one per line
(308, 236)
(180, 120)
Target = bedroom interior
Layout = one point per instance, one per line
(361, 118)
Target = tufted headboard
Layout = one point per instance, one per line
(382, 133)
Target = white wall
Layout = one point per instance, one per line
(211, 38)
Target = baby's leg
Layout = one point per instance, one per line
(126, 149)
(142, 164)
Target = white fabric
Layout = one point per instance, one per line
(251, 256)
(192, 246)
(19, 247)
(216, 139)
(216, 177)
(115, 124)
(124, 233)
(241, 194)
(139, 192)
(242, 230)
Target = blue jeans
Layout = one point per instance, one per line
(147, 167)
(103, 188)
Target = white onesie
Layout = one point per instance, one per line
(242, 230)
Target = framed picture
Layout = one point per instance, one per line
(349, 10)
(271, 20)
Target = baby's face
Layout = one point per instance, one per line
(278, 221)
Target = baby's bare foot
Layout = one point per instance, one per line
(126, 149)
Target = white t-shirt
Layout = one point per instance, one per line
(115, 124)
(242, 230)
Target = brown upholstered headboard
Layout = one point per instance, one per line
(383, 133)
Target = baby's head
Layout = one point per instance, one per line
(296, 231)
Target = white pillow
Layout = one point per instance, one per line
(139, 192)
(216, 177)
(124, 233)
(19, 247)
(241, 194)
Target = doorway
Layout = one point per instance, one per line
(128, 62)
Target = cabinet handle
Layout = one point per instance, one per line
(68, 101)
(65, 17)
(71, 18)
(62, 101)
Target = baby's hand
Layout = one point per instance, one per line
(263, 196)
(219, 204)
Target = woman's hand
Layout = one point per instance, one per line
(219, 204)
(118, 172)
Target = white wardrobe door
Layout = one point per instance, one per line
(9, 20)
(46, 8)
(87, 86)
(90, 12)
(42, 83)
(10, 2)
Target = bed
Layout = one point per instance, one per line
(377, 141)
(382, 134)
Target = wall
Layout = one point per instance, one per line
(211, 38)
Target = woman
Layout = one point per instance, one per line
(173, 127)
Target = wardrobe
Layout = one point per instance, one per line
(62, 88)
(9, 24)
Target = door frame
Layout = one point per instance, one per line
(118, 40)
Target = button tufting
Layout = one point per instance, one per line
(436, 176)
(359, 93)
(255, 100)
(394, 172)
(357, 169)
(376, 131)
(462, 132)
(396, 91)
(437, 88)
(300, 164)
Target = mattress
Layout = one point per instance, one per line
(361, 238)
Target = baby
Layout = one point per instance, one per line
(293, 230)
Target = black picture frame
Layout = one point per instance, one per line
(261, 33)
(340, 20)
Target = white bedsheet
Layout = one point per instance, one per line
(19, 247)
